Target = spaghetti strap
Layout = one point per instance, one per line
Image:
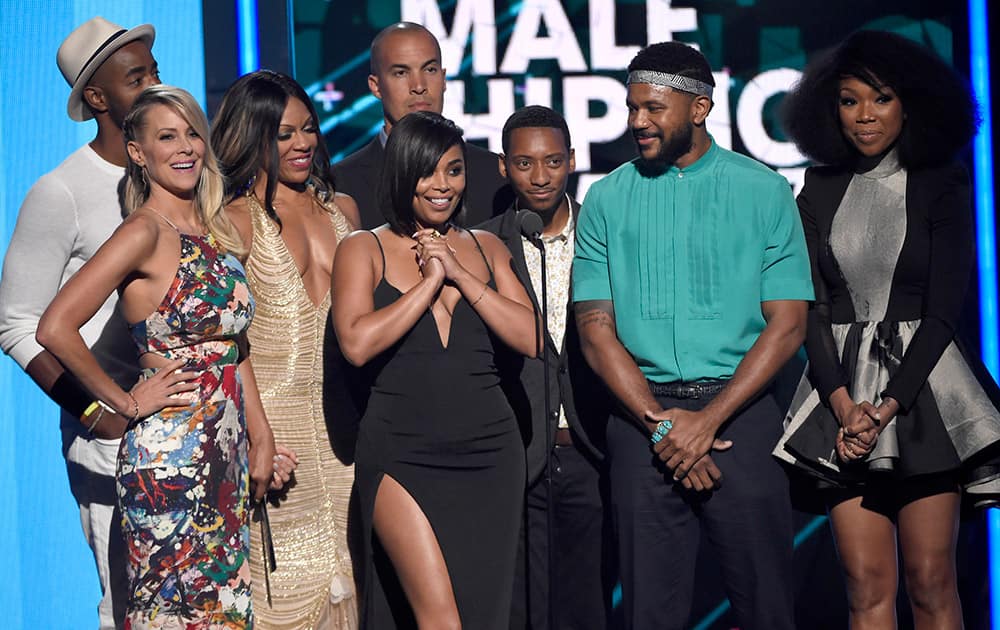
(169, 222)
(482, 253)
(380, 251)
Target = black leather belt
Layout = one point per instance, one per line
(694, 390)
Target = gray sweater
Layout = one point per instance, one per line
(66, 216)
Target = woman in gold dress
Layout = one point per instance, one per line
(281, 200)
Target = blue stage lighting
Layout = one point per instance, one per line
(246, 24)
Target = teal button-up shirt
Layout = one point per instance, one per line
(687, 257)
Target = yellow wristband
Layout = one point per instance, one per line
(91, 408)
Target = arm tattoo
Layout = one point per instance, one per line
(596, 313)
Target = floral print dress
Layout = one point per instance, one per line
(183, 481)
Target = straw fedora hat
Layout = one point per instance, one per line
(86, 48)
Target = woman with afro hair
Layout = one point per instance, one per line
(896, 421)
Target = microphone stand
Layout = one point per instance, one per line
(550, 416)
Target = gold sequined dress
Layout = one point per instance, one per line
(313, 585)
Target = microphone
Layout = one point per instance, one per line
(530, 224)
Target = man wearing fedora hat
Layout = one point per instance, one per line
(66, 216)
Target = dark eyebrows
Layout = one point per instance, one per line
(646, 104)
(424, 65)
(308, 122)
(140, 70)
(525, 156)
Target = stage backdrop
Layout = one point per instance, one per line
(571, 55)
(49, 575)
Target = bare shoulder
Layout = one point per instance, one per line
(349, 208)
(491, 244)
(357, 243)
(357, 259)
(238, 207)
(133, 241)
(489, 240)
(239, 214)
(139, 229)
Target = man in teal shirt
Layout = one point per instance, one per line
(691, 279)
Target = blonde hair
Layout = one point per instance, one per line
(210, 189)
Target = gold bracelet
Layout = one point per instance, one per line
(478, 299)
(136, 403)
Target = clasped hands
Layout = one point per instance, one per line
(433, 252)
(685, 447)
(860, 425)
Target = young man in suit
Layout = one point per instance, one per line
(406, 75)
(537, 161)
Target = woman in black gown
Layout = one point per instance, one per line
(893, 417)
(424, 305)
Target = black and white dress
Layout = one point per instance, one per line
(892, 254)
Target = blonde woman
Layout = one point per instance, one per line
(196, 423)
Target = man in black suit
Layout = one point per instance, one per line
(537, 161)
(406, 75)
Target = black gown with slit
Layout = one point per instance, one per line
(438, 423)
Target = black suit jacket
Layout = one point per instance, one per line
(486, 192)
(571, 381)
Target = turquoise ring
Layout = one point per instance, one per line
(661, 431)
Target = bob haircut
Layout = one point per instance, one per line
(209, 189)
(940, 112)
(415, 146)
(245, 135)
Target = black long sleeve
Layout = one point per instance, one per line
(950, 261)
(825, 369)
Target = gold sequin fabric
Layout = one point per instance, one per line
(313, 585)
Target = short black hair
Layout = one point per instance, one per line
(673, 58)
(941, 114)
(412, 152)
(534, 116)
(245, 135)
